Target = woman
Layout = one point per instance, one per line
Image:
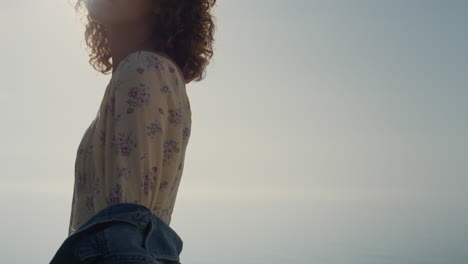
(130, 160)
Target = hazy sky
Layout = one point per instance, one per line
(304, 100)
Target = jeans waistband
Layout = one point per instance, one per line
(161, 241)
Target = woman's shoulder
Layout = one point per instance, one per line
(145, 63)
(141, 66)
(162, 62)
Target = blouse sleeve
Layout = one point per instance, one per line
(136, 148)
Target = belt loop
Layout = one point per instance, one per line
(148, 233)
(137, 214)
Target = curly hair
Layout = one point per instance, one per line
(185, 30)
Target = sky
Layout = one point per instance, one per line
(307, 109)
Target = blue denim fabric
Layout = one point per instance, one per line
(121, 233)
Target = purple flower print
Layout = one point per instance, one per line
(89, 151)
(149, 179)
(115, 196)
(154, 128)
(175, 116)
(124, 172)
(124, 144)
(163, 185)
(102, 137)
(90, 202)
(170, 147)
(154, 62)
(137, 97)
(112, 106)
(96, 186)
(186, 132)
(81, 181)
(165, 89)
(176, 180)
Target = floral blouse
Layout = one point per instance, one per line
(134, 149)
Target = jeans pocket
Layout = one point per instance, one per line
(87, 248)
(123, 237)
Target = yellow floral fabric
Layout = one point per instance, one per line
(134, 150)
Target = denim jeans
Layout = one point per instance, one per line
(122, 233)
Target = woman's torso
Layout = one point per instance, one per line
(96, 187)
